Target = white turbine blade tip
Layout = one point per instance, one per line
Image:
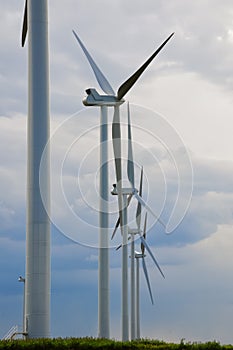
(147, 279)
(151, 254)
(102, 80)
(149, 209)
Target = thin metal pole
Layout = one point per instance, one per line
(22, 279)
(37, 278)
(132, 282)
(125, 312)
(103, 285)
(137, 299)
(24, 331)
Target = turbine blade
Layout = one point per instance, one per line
(117, 248)
(116, 141)
(139, 206)
(144, 235)
(116, 227)
(148, 208)
(142, 248)
(25, 25)
(130, 164)
(144, 228)
(102, 80)
(147, 278)
(118, 220)
(151, 254)
(126, 86)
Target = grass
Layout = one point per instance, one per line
(93, 343)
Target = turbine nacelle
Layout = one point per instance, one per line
(125, 190)
(95, 99)
(114, 190)
(139, 255)
(134, 231)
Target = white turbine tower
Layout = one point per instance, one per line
(103, 279)
(37, 278)
(114, 100)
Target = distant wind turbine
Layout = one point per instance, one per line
(114, 100)
(130, 168)
(127, 194)
(130, 171)
(37, 278)
(141, 256)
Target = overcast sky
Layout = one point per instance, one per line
(181, 114)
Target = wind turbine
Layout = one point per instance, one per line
(135, 282)
(141, 255)
(103, 279)
(132, 233)
(37, 278)
(114, 100)
(131, 192)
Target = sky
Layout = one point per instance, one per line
(181, 112)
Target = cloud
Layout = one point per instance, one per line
(191, 83)
(202, 44)
(197, 278)
(211, 203)
(13, 170)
